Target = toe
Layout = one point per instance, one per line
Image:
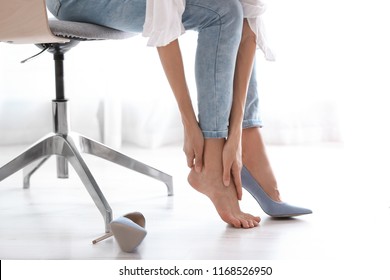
(256, 219)
(245, 223)
(231, 220)
(253, 221)
(236, 223)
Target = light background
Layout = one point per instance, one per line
(329, 83)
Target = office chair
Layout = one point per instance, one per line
(26, 22)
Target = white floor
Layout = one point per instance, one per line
(56, 219)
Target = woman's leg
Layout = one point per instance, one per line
(119, 14)
(254, 156)
(219, 24)
(257, 175)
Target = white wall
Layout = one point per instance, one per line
(329, 82)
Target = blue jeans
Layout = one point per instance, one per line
(219, 25)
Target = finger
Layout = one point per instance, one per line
(190, 160)
(226, 174)
(198, 161)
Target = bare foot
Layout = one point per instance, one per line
(224, 199)
(209, 182)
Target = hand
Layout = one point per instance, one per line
(232, 163)
(193, 147)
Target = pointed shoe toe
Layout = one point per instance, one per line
(270, 207)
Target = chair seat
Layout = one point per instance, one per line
(82, 31)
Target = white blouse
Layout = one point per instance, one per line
(163, 22)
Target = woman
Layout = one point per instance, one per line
(226, 134)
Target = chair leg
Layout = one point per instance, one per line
(39, 150)
(62, 168)
(29, 170)
(59, 145)
(97, 149)
(72, 153)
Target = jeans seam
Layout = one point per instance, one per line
(216, 57)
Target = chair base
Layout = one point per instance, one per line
(68, 147)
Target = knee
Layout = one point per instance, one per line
(232, 12)
(224, 12)
(201, 14)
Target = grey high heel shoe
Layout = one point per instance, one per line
(128, 230)
(269, 206)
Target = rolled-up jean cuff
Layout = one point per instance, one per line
(251, 123)
(215, 134)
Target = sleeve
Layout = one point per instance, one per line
(253, 11)
(163, 22)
